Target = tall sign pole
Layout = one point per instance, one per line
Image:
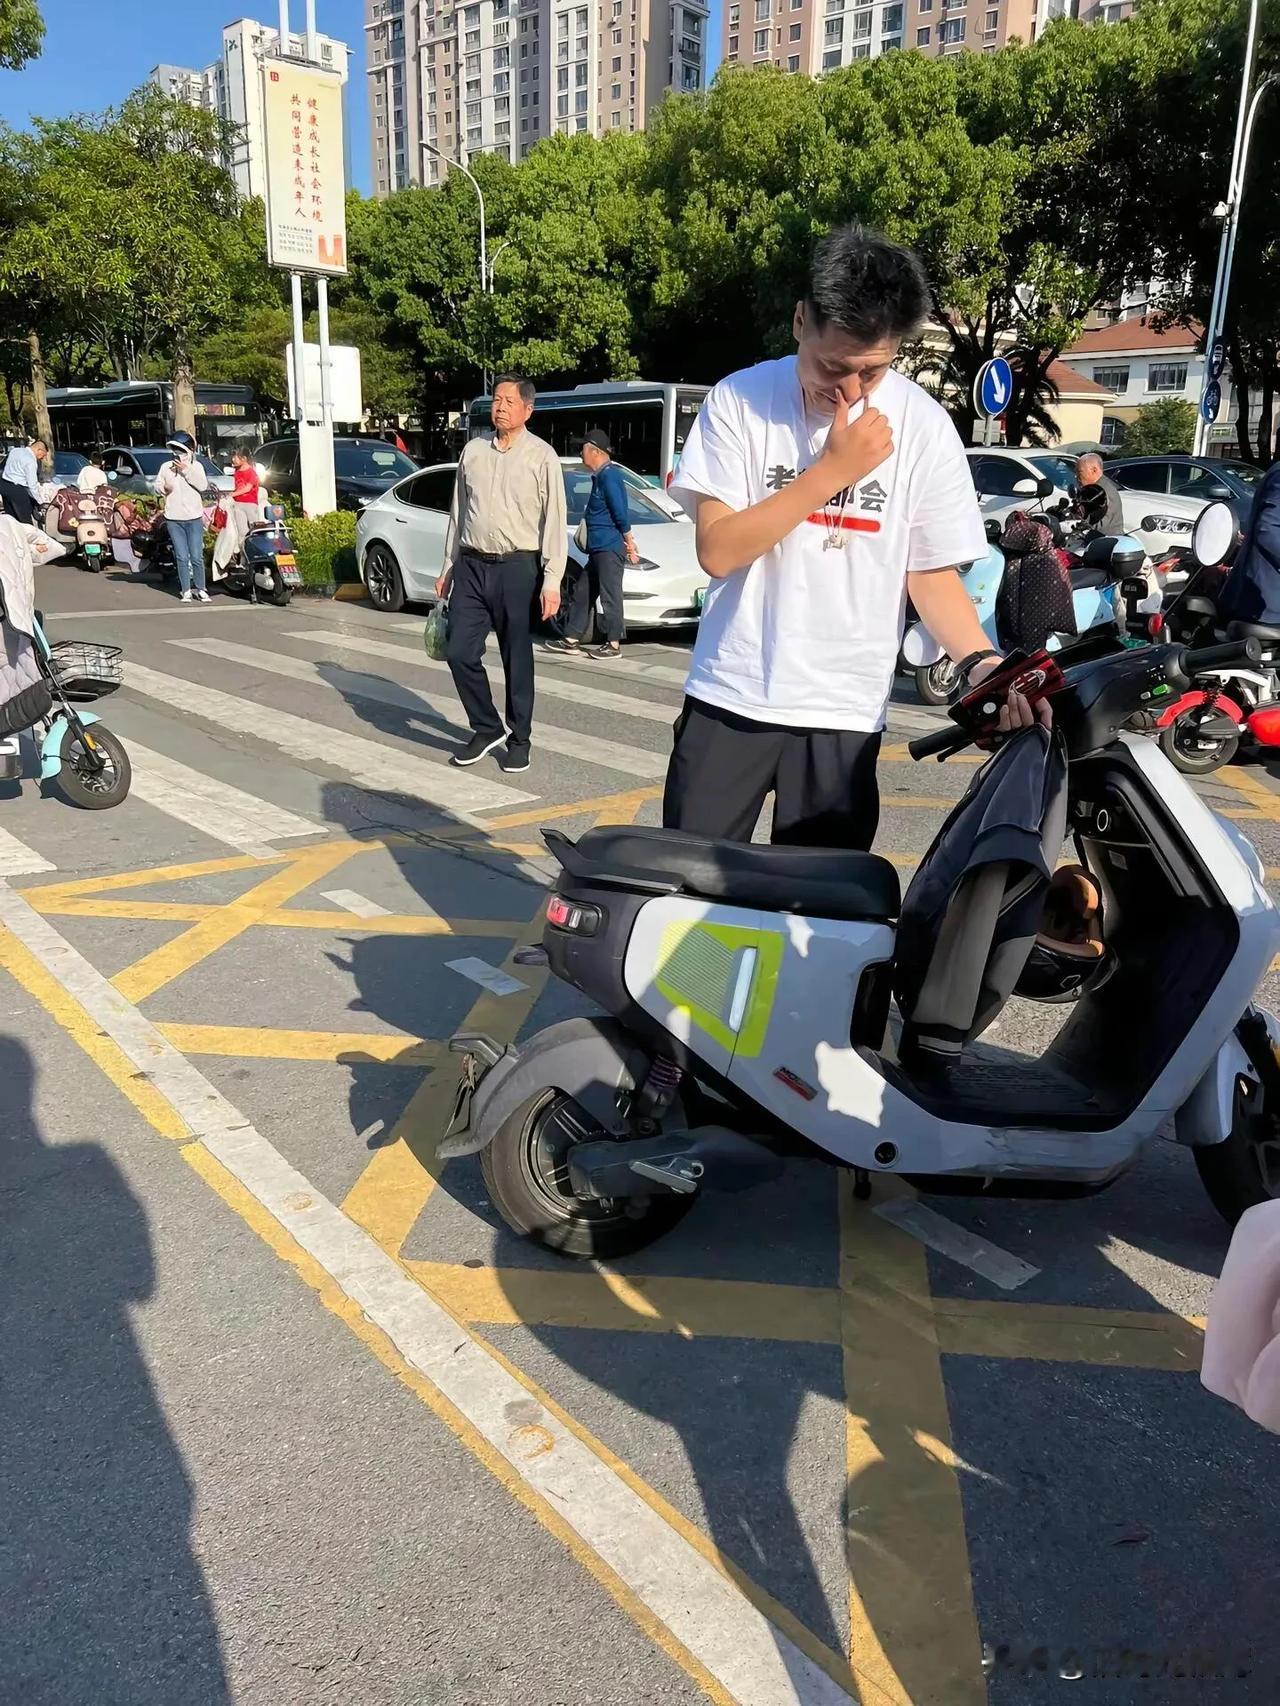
(306, 226)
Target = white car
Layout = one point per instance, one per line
(400, 545)
(1006, 480)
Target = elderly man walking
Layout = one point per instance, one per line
(506, 537)
(20, 480)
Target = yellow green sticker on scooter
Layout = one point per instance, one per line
(724, 977)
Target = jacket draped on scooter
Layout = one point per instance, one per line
(24, 693)
(970, 917)
(1251, 592)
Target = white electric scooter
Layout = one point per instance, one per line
(747, 1012)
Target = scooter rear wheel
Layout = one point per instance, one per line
(527, 1177)
(935, 681)
(95, 791)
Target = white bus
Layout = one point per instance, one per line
(647, 423)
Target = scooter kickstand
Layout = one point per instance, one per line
(861, 1184)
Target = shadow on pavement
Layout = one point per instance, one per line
(105, 1603)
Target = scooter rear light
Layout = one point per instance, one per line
(579, 917)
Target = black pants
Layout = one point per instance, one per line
(723, 768)
(599, 577)
(18, 502)
(494, 595)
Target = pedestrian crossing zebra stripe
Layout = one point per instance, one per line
(19, 860)
(226, 813)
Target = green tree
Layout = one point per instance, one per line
(21, 33)
(1161, 428)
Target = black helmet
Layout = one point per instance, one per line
(1069, 955)
(181, 441)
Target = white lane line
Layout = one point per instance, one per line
(350, 901)
(368, 763)
(336, 677)
(179, 612)
(752, 1660)
(19, 860)
(216, 808)
(989, 1261)
(488, 977)
(551, 687)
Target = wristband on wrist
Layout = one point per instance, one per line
(967, 663)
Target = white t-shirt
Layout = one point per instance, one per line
(808, 637)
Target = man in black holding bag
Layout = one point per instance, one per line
(506, 539)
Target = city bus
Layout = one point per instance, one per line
(140, 412)
(647, 422)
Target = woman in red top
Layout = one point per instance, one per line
(243, 510)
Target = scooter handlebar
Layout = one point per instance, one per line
(1214, 657)
(939, 745)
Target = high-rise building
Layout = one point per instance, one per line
(818, 35)
(496, 76)
(232, 88)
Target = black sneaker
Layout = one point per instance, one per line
(515, 758)
(605, 651)
(559, 644)
(475, 749)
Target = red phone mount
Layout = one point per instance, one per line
(1033, 674)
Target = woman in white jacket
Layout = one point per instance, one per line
(182, 484)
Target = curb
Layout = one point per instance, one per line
(350, 592)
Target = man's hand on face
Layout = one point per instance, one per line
(854, 448)
(550, 602)
(1016, 713)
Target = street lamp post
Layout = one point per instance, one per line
(486, 278)
(1231, 214)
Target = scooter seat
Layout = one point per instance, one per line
(1086, 575)
(1253, 631)
(823, 882)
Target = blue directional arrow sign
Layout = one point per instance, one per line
(993, 387)
(1211, 402)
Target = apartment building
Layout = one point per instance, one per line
(813, 36)
(232, 88)
(496, 76)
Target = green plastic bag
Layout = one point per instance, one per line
(435, 636)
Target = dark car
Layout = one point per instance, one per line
(1209, 478)
(67, 465)
(364, 468)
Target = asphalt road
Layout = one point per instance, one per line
(289, 1416)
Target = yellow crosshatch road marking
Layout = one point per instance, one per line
(343, 1048)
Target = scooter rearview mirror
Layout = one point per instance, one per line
(1214, 535)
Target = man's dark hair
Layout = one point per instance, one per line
(525, 387)
(867, 286)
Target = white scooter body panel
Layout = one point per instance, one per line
(766, 1000)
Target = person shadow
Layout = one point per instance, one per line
(105, 1602)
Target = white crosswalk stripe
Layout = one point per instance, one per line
(228, 814)
(369, 763)
(591, 749)
(19, 860)
(548, 687)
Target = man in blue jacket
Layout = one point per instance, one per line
(609, 546)
(1251, 592)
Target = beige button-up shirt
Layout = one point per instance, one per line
(509, 500)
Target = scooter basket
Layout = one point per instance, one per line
(85, 669)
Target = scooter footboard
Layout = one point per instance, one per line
(1207, 1114)
(595, 1061)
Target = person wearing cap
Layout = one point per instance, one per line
(607, 521)
(182, 484)
(505, 545)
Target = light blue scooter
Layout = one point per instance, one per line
(90, 763)
(1105, 562)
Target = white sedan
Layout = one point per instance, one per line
(1007, 479)
(400, 545)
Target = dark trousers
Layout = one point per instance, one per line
(599, 577)
(494, 595)
(723, 767)
(18, 502)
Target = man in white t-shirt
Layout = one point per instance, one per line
(817, 512)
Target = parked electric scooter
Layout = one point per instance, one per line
(746, 997)
(90, 763)
(266, 568)
(1104, 563)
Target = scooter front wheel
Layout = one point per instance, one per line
(85, 784)
(526, 1173)
(1193, 749)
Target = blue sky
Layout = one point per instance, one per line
(97, 51)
